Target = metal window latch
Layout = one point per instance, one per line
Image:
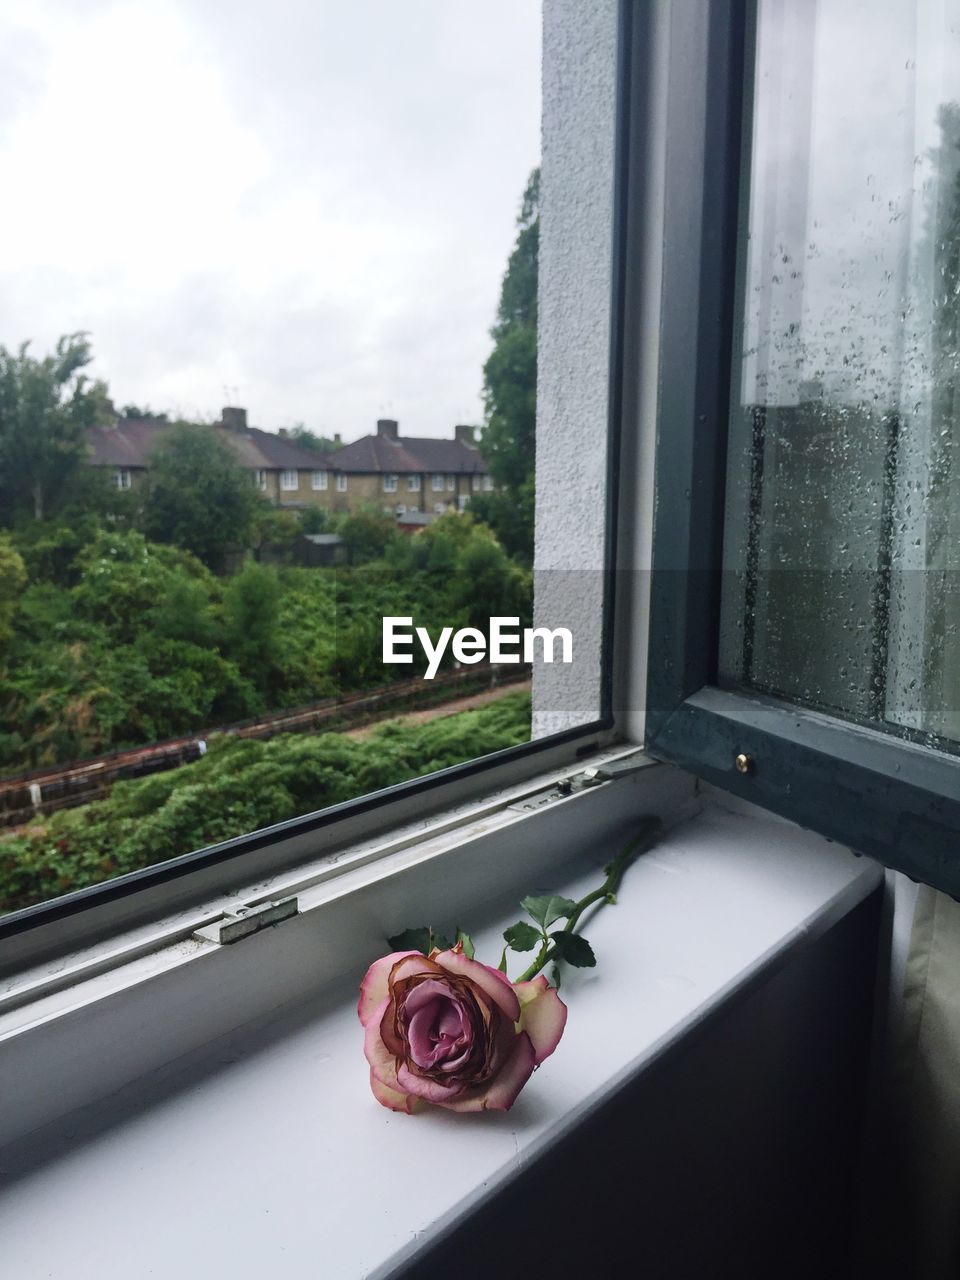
(591, 777)
(234, 925)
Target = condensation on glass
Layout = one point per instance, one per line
(842, 544)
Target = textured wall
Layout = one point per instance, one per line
(579, 64)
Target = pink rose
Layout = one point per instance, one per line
(451, 1031)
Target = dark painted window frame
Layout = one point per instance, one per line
(894, 800)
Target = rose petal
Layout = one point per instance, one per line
(375, 1051)
(429, 1090)
(374, 988)
(543, 1015)
(501, 1093)
(393, 1098)
(488, 980)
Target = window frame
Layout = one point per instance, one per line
(413, 484)
(285, 485)
(341, 482)
(436, 481)
(884, 796)
(319, 481)
(123, 479)
(390, 482)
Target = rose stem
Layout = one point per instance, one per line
(607, 892)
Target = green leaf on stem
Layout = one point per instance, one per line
(556, 976)
(412, 940)
(502, 966)
(467, 943)
(574, 950)
(548, 909)
(521, 936)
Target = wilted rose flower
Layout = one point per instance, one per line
(448, 1030)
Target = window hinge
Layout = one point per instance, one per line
(234, 925)
(592, 777)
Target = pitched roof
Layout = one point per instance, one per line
(405, 454)
(132, 440)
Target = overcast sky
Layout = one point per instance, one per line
(300, 206)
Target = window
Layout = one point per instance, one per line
(475, 483)
(121, 478)
(400, 509)
(809, 657)
(488, 483)
(332, 628)
(463, 501)
(389, 484)
(439, 508)
(319, 480)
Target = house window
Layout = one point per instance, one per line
(437, 482)
(319, 480)
(121, 478)
(451, 483)
(413, 484)
(488, 484)
(400, 509)
(475, 483)
(289, 480)
(439, 508)
(389, 484)
(260, 479)
(341, 482)
(463, 501)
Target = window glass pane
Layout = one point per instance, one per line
(842, 551)
(309, 220)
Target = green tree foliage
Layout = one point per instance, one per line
(13, 578)
(46, 405)
(238, 786)
(367, 534)
(307, 439)
(508, 440)
(198, 497)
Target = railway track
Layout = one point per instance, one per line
(43, 791)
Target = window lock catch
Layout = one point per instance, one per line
(241, 923)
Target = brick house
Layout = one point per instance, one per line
(382, 470)
(404, 474)
(287, 474)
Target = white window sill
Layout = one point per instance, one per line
(264, 1152)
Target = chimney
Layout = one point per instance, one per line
(388, 428)
(233, 419)
(336, 439)
(282, 431)
(465, 434)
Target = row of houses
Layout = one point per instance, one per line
(411, 477)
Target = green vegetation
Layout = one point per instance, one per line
(46, 406)
(240, 785)
(198, 497)
(108, 639)
(508, 441)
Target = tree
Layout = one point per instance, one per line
(198, 497)
(46, 405)
(508, 440)
(308, 439)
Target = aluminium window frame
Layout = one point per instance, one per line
(319, 481)
(285, 485)
(889, 798)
